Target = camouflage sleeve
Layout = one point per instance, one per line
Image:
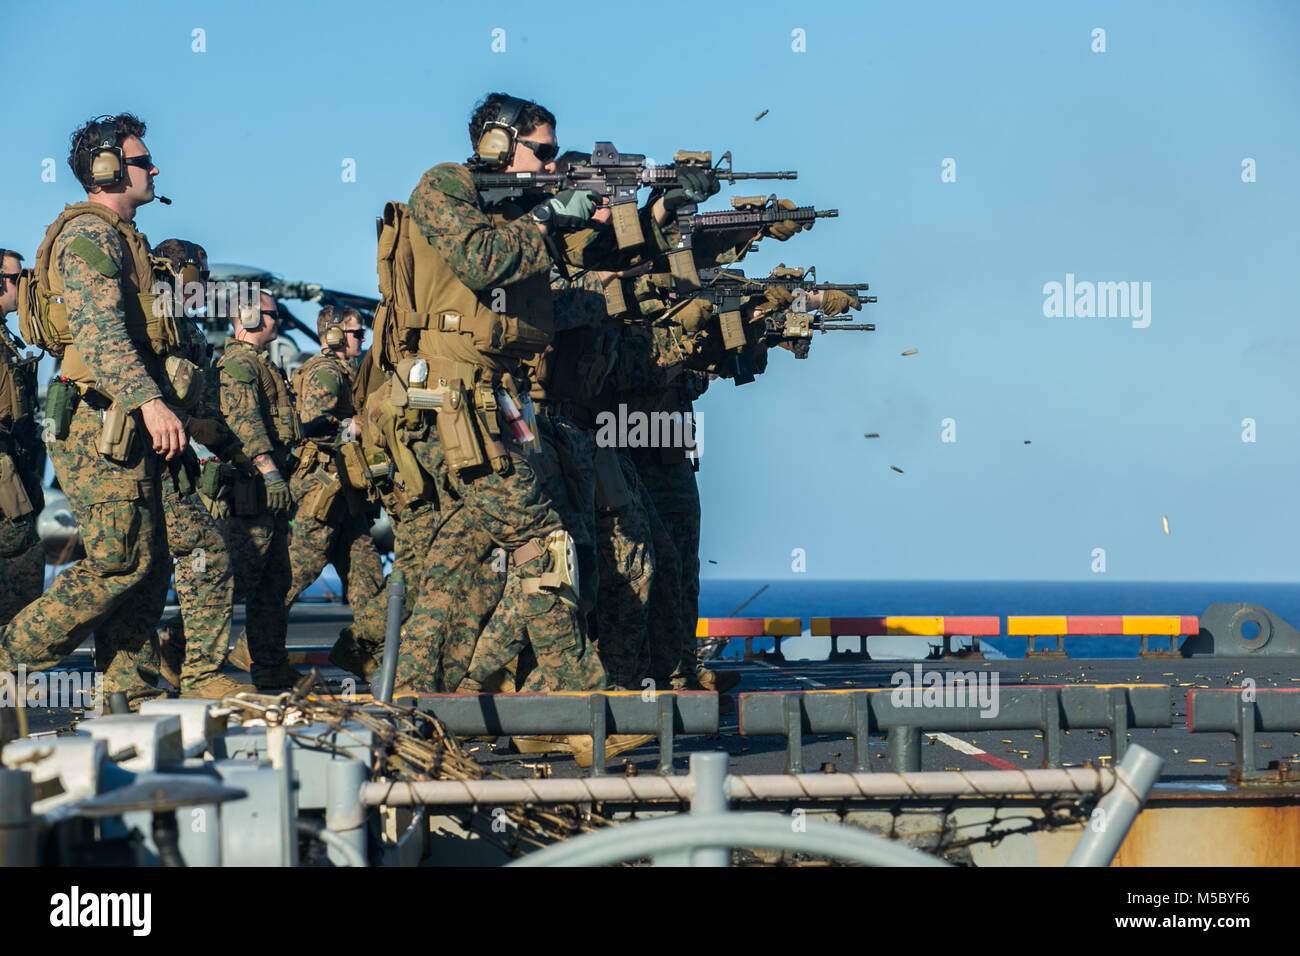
(711, 249)
(89, 256)
(321, 394)
(444, 209)
(242, 407)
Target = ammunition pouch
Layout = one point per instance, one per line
(354, 465)
(13, 404)
(60, 402)
(384, 428)
(562, 578)
(185, 472)
(14, 502)
(361, 480)
(216, 480)
(319, 501)
(182, 383)
(247, 496)
(486, 413)
(117, 437)
(612, 493)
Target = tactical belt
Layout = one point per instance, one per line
(442, 322)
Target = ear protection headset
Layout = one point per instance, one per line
(334, 334)
(250, 316)
(106, 161)
(189, 270)
(496, 144)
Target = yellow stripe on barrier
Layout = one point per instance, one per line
(820, 626)
(701, 627)
(919, 626)
(1036, 626)
(1164, 624)
(783, 626)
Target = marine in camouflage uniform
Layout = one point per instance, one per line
(585, 361)
(414, 519)
(332, 522)
(98, 263)
(256, 403)
(645, 379)
(565, 459)
(194, 644)
(662, 374)
(22, 461)
(502, 505)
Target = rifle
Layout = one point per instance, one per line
(617, 177)
(730, 289)
(797, 328)
(793, 279)
(755, 212)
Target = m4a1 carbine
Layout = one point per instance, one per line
(617, 177)
(793, 279)
(794, 330)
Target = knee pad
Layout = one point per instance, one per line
(561, 578)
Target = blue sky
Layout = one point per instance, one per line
(1117, 166)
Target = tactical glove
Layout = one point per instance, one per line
(835, 302)
(240, 460)
(778, 298)
(781, 231)
(694, 185)
(572, 209)
(205, 431)
(277, 495)
(692, 316)
(218, 508)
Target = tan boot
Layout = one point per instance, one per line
(350, 655)
(238, 657)
(218, 686)
(717, 681)
(584, 750)
(171, 656)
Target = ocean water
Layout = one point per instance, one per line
(826, 598)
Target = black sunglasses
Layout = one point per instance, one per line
(359, 333)
(11, 276)
(144, 162)
(543, 151)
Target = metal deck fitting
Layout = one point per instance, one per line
(860, 713)
(662, 713)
